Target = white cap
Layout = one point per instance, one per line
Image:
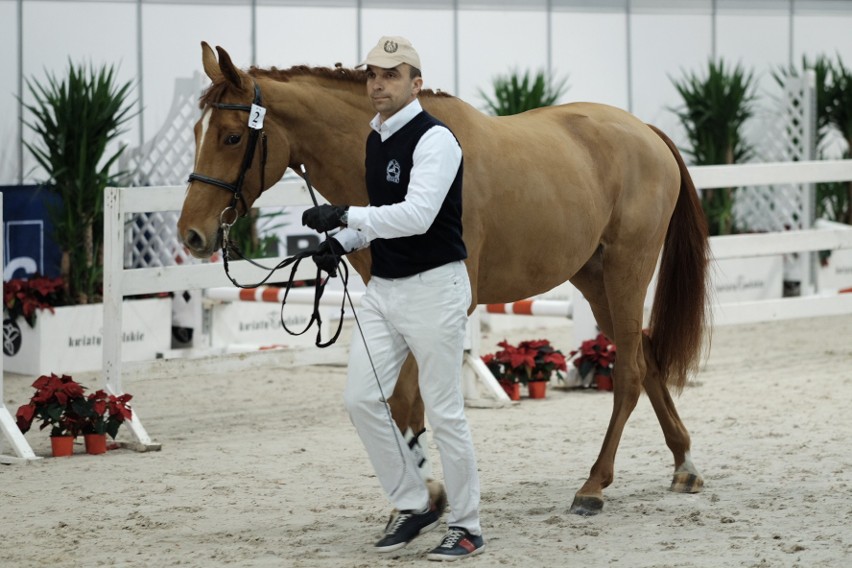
(392, 51)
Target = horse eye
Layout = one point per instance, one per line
(232, 139)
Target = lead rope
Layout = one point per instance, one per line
(347, 296)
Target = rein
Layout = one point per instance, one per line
(256, 115)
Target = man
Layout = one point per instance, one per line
(417, 300)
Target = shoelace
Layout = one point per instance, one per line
(453, 536)
(398, 522)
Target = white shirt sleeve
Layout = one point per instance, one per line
(436, 162)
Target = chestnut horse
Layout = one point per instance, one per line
(581, 192)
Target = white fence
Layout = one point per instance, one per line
(120, 282)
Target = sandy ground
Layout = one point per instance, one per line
(262, 467)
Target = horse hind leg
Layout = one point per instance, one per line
(686, 478)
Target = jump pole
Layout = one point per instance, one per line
(9, 426)
(476, 375)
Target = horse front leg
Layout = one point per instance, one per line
(409, 415)
(686, 477)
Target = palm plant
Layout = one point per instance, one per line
(716, 108)
(838, 110)
(76, 118)
(514, 94)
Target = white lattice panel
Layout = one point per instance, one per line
(167, 159)
(786, 135)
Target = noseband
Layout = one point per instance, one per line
(255, 123)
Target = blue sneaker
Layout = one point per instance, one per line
(457, 543)
(406, 526)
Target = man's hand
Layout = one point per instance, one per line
(328, 255)
(323, 218)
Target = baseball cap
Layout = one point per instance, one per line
(390, 52)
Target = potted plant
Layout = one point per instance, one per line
(595, 359)
(58, 402)
(530, 362)
(714, 112)
(103, 414)
(509, 381)
(514, 94)
(77, 118)
(23, 297)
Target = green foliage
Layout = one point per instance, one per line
(514, 94)
(716, 108)
(76, 117)
(246, 234)
(834, 115)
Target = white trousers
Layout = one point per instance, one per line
(426, 314)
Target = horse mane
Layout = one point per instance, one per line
(344, 75)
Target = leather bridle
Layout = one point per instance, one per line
(256, 111)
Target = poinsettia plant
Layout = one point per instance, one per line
(105, 412)
(59, 402)
(528, 361)
(23, 297)
(595, 355)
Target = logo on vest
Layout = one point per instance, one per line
(392, 171)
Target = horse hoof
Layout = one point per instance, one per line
(586, 505)
(437, 494)
(685, 482)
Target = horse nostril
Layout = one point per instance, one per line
(194, 240)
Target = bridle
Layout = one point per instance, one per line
(255, 123)
(256, 115)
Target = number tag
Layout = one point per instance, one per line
(256, 117)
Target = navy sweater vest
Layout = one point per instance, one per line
(389, 166)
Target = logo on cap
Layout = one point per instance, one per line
(391, 46)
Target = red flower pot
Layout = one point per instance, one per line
(62, 446)
(537, 389)
(513, 390)
(95, 443)
(603, 382)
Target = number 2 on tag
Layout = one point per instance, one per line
(256, 117)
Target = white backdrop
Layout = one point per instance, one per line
(609, 56)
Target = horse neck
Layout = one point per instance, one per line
(326, 123)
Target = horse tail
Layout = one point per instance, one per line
(679, 313)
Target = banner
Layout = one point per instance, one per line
(27, 232)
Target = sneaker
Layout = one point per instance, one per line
(458, 543)
(406, 526)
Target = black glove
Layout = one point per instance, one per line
(327, 255)
(323, 218)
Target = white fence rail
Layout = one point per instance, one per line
(120, 282)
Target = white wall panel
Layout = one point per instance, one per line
(590, 48)
(495, 43)
(55, 33)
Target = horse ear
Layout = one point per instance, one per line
(228, 70)
(208, 60)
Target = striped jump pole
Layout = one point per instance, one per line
(554, 308)
(275, 295)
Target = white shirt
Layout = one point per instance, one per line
(437, 157)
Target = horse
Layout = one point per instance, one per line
(581, 192)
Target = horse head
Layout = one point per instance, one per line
(237, 154)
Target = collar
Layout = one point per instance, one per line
(402, 117)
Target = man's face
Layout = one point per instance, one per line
(391, 89)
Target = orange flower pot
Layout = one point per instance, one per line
(537, 389)
(95, 443)
(603, 382)
(62, 446)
